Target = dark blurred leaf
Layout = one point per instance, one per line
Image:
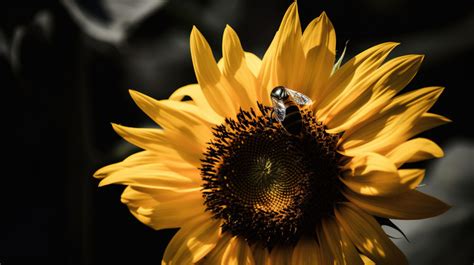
(448, 238)
(115, 19)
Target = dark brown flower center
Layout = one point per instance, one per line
(269, 185)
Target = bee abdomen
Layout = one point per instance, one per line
(292, 121)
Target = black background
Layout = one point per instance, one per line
(61, 88)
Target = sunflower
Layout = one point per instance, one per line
(244, 188)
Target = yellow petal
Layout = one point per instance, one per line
(215, 256)
(351, 73)
(267, 76)
(366, 260)
(283, 63)
(349, 251)
(411, 177)
(158, 219)
(173, 115)
(392, 126)
(289, 51)
(195, 93)
(209, 77)
(193, 241)
(368, 236)
(146, 138)
(164, 195)
(237, 252)
(150, 158)
(260, 254)
(281, 255)
(319, 45)
(408, 205)
(426, 122)
(327, 257)
(163, 209)
(188, 143)
(343, 252)
(366, 98)
(253, 63)
(137, 159)
(135, 198)
(306, 252)
(152, 176)
(373, 175)
(236, 72)
(415, 150)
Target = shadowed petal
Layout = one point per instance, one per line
(283, 63)
(162, 209)
(306, 252)
(351, 73)
(194, 91)
(342, 249)
(238, 252)
(368, 236)
(215, 256)
(408, 205)
(392, 126)
(280, 255)
(193, 241)
(260, 254)
(373, 175)
(319, 45)
(411, 177)
(366, 98)
(238, 75)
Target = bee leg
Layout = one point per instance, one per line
(271, 116)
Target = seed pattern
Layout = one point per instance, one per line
(268, 185)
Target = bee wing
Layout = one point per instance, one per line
(279, 110)
(299, 98)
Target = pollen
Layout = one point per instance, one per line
(266, 184)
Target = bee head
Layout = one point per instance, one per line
(279, 93)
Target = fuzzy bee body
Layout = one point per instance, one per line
(286, 108)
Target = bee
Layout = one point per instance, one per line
(286, 108)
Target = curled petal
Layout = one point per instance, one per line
(368, 236)
(373, 175)
(408, 205)
(415, 150)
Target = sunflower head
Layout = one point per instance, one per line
(289, 159)
(266, 184)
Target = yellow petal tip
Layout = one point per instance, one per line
(103, 182)
(132, 92)
(115, 126)
(439, 153)
(98, 174)
(135, 95)
(229, 32)
(323, 15)
(195, 32)
(418, 58)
